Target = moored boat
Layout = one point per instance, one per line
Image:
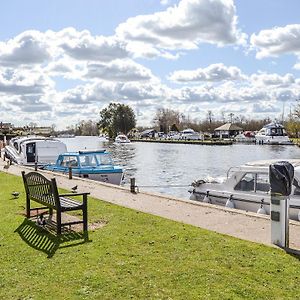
(273, 134)
(95, 165)
(247, 187)
(122, 139)
(34, 149)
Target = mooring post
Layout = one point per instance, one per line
(132, 185)
(70, 172)
(281, 178)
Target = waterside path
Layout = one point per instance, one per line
(236, 223)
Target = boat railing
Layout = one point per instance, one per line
(231, 170)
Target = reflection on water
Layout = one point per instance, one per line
(155, 165)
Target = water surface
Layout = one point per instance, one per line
(163, 167)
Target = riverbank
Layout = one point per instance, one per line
(190, 142)
(134, 256)
(237, 223)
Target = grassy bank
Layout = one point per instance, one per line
(137, 256)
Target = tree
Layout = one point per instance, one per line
(117, 118)
(165, 118)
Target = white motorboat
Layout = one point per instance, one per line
(247, 187)
(103, 138)
(122, 139)
(190, 134)
(30, 149)
(273, 134)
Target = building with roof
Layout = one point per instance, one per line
(228, 130)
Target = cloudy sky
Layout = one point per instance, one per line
(63, 61)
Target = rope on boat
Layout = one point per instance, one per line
(164, 186)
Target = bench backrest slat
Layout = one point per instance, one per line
(40, 189)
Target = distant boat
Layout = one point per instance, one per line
(103, 138)
(122, 139)
(273, 134)
(94, 165)
(30, 149)
(66, 135)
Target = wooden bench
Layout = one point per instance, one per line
(39, 189)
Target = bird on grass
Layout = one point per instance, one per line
(74, 189)
(15, 194)
(7, 165)
(41, 220)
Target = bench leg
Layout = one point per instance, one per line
(58, 222)
(85, 217)
(50, 213)
(27, 207)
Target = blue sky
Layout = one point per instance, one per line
(63, 61)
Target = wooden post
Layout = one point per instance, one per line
(70, 172)
(132, 185)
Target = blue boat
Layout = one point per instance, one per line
(95, 165)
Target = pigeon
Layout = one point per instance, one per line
(7, 165)
(74, 188)
(15, 194)
(40, 220)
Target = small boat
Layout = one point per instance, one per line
(273, 134)
(245, 137)
(247, 187)
(122, 139)
(95, 165)
(34, 149)
(190, 134)
(66, 136)
(103, 138)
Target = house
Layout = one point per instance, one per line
(228, 130)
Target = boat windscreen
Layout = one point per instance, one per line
(87, 161)
(104, 159)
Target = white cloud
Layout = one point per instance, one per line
(213, 73)
(28, 48)
(277, 41)
(185, 25)
(86, 47)
(119, 70)
(265, 79)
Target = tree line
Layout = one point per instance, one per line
(120, 118)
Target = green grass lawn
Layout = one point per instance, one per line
(136, 256)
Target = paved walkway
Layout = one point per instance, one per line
(240, 224)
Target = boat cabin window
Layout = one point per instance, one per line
(254, 182)
(262, 182)
(16, 146)
(104, 159)
(296, 187)
(69, 161)
(88, 161)
(246, 183)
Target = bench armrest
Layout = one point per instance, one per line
(73, 194)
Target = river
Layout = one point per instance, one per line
(171, 168)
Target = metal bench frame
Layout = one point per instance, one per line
(39, 189)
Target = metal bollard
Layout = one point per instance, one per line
(70, 172)
(132, 185)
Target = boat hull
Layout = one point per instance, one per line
(246, 202)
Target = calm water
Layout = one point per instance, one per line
(158, 167)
